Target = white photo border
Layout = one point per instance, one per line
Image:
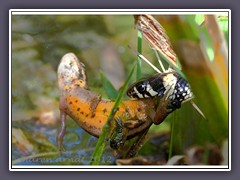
(116, 12)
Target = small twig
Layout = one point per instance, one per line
(198, 109)
(145, 59)
(159, 60)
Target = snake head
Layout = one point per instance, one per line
(169, 86)
(71, 70)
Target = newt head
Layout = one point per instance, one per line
(71, 70)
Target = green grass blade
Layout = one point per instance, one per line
(208, 82)
(98, 151)
(139, 62)
(208, 94)
(171, 137)
(108, 87)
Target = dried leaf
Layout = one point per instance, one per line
(22, 142)
(142, 160)
(156, 36)
(176, 160)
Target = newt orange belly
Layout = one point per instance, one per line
(90, 112)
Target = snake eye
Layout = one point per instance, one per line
(141, 88)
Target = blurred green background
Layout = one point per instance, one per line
(38, 43)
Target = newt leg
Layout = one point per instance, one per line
(62, 130)
(119, 136)
(132, 151)
(94, 103)
(133, 123)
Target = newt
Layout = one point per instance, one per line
(152, 104)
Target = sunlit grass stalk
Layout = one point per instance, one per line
(139, 62)
(98, 151)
